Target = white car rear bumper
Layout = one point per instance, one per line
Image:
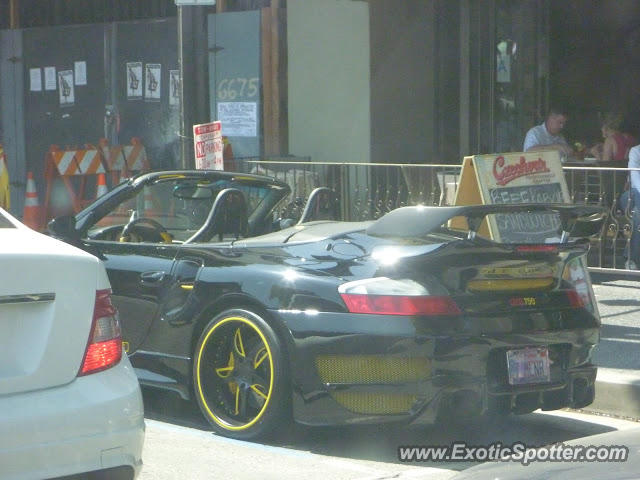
(92, 423)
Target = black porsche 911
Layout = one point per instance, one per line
(402, 319)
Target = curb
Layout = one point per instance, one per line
(617, 393)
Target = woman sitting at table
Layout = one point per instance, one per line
(616, 142)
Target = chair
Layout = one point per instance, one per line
(228, 216)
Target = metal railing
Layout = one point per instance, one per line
(366, 191)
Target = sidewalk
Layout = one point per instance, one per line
(617, 393)
(618, 353)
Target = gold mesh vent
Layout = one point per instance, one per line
(372, 368)
(375, 403)
(510, 284)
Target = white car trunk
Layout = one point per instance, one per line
(47, 296)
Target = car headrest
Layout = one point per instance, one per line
(228, 216)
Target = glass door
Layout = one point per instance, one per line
(521, 73)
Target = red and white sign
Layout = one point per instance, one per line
(504, 173)
(207, 144)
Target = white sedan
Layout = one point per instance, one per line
(69, 399)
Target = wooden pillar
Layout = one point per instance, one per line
(14, 14)
(274, 79)
(267, 90)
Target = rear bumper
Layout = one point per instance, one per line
(93, 423)
(349, 369)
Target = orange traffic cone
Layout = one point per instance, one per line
(149, 211)
(101, 189)
(32, 215)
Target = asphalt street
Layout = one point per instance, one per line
(619, 305)
(175, 451)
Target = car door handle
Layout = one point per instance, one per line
(152, 278)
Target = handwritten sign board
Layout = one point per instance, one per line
(207, 144)
(509, 178)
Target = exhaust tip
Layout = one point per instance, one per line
(460, 407)
(583, 393)
(526, 403)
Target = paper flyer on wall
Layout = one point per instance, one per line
(50, 78)
(35, 80)
(134, 80)
(80, 73)
(65, 88)
(240, 119)
(174, 88)
(152, 77)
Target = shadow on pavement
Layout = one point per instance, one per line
(380, 442)
(621, 302)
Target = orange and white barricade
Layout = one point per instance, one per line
(150, 208)
(73, 167)
(115, 160)
(124, 161)
(136, 155)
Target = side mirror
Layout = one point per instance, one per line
(64, 227)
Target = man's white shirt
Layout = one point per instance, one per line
(539, 136)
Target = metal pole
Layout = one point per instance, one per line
(182, 133)
(186, 142)
(192, 42)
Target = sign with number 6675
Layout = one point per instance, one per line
(237, 88)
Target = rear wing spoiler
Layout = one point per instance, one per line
(417, 221)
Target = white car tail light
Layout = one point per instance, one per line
(384, 296)
(104, 349)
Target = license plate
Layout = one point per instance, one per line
(528, 365)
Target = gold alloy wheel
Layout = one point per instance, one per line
(234, 373)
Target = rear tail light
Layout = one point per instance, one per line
(537, 249)
(384, 296)
(576, 279)
(104, 349)
(575, 300)
(400, 305)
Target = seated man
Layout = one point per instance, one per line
(547, 136)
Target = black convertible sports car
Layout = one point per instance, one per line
(404, 318)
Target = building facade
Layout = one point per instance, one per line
(381, 81)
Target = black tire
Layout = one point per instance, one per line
(240, 377)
